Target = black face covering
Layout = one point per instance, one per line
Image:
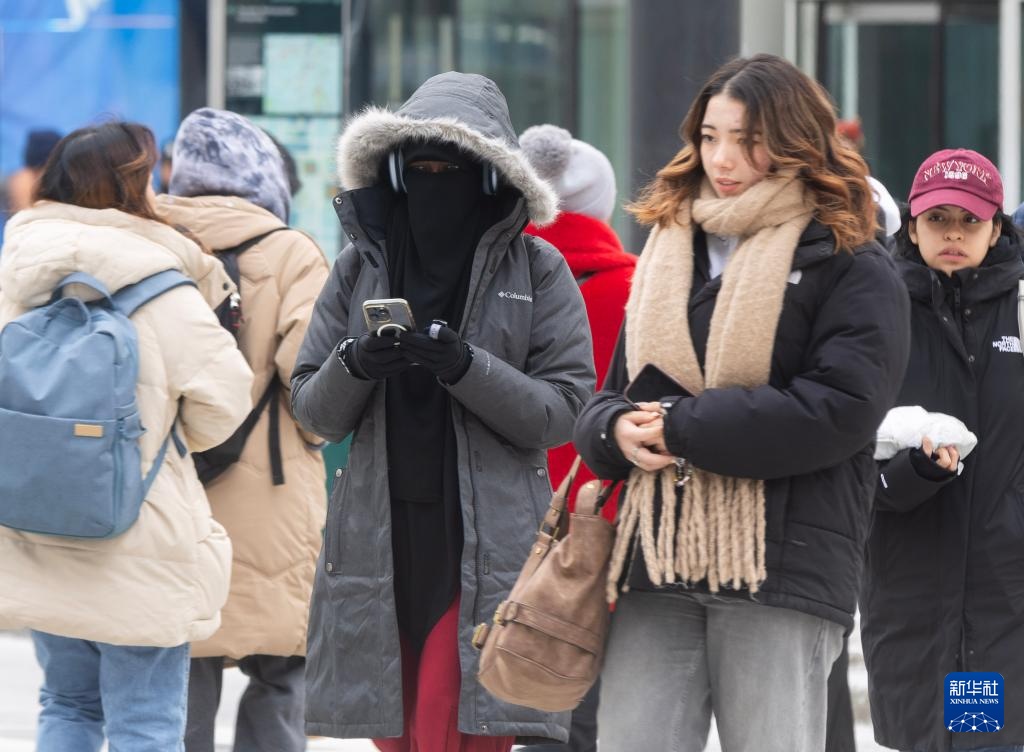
(433, 233)
(432, 237)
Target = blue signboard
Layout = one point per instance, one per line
(69, 63)
(974, 702)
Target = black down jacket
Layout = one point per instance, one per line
(840, 351)
(944, 583)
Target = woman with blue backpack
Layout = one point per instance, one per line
(108, 551)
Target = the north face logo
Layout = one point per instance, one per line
(1007, 344)
(515, 296)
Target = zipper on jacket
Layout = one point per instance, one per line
(962, 658)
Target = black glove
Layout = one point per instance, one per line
(444, 355)
(928, 468)
(373, 357)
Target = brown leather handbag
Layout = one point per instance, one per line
(545, 646)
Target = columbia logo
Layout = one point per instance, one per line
(515, 296)
(1007, 344)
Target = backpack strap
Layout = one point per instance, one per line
(229, 256)
(245, 245)
(129, 299)
(179, 445)
(229, 311)
(81, 278)
(274, 434)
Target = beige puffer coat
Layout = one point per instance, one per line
(275, 530)
(163, 581)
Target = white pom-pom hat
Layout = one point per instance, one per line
(581, 175)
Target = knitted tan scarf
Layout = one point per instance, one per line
(719, 533)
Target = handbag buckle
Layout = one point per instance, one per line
(480, 635)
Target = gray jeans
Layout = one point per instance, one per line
(270, 713)
(674, 659)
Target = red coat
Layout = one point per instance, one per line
(604, 271)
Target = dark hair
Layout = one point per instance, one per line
(797, 122)
(38, 146)
(291, 170)
(105, 166)
(904, 247)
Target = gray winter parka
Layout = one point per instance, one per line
(531, 373)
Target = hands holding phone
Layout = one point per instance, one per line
(378, 356)
(640, 436)
(438, 349)
(373, 358)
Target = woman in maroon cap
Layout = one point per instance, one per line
(944, 580)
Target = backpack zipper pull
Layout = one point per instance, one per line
(235, 311)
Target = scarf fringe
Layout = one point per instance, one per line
(728, 552)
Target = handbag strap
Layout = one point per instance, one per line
(606, 493)
(554, 520)
(594, 495)
(552, 523)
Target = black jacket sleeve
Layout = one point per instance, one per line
(903, 483)
(854, 363)
(594, 434)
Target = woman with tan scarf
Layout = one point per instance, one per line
(762, 293)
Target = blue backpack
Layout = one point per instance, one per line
(69, 425)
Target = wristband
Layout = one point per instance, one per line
(342, 351)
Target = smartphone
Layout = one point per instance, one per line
(651, 384)
(388, 316)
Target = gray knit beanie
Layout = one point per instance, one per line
(220, 153)
(581, 174)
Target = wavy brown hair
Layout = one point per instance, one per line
(796, 121)
(106, 166)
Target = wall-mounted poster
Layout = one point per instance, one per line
(284, 70)
(311, 142)
(302, 74)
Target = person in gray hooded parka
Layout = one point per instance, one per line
(448, 453)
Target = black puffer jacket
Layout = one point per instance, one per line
(944, 583)
(840, 350)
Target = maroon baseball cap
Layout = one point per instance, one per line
(960, 177)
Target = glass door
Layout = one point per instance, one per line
(921, 76)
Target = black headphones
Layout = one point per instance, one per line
(396, 166)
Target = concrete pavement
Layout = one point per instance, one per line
(19, 685)
(20, 677)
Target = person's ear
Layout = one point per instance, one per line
(997, 228)
(912, 230)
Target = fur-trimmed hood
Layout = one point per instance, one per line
(463, 109)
